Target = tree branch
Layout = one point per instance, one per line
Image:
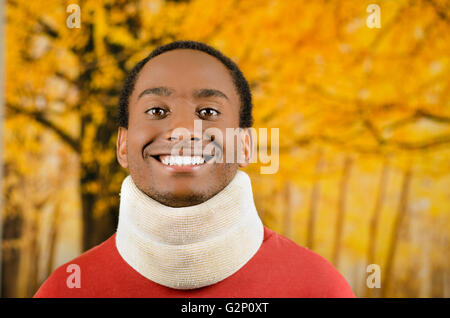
(40, 118)
(434, 117)
(420, 113)
(423, 145)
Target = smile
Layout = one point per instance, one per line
(181, 160)
(183, 163)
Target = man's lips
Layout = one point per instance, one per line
(183, 160)
(206, 150)
(174, 158)
(181, 163)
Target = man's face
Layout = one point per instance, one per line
(171, 91)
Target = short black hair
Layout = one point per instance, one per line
(241, 84)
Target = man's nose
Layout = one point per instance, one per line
(183, 128)
(185, 136)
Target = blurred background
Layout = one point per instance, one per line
(363, 116)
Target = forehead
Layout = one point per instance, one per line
(185, 70)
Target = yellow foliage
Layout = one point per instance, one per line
(334, 87)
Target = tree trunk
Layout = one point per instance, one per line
(401, 214)
(314, 202)
(11, 255)
(288, 210)
(374, 222)
(53, 239)
(341, 210)
(96, 228)
(28, 264)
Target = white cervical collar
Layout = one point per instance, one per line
(189, 247)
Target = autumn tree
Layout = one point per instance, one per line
(363, 114)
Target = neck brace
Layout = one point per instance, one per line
(189, 247)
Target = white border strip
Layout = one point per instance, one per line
(2, 106)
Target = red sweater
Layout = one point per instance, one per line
(280, 268)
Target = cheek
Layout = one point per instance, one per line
(232, 146)
(136, 141)
(140, 134)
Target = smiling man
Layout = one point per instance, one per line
(188, 226)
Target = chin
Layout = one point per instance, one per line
(183, 199)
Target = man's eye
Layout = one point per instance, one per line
(157, 112)
(208, 112)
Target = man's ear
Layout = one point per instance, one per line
(121, 149)
(247, 147)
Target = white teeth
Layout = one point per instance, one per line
(181, 160)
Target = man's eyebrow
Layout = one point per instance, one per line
(209, 92)
(198, 93)
(160, 91)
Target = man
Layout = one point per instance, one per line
(188, 226)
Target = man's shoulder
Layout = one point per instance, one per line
(95, 262)
(303, 265)
(100, 252)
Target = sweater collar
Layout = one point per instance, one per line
(189, 247)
